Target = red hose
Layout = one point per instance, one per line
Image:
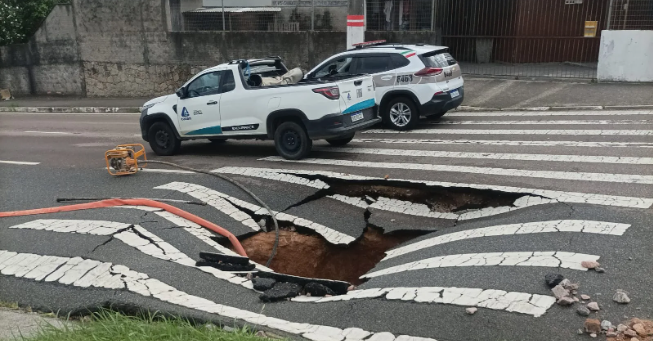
(135, 202)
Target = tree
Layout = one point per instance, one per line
(19, 19)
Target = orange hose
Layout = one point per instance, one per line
(135, 202)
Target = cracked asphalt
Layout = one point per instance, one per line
(70, 148)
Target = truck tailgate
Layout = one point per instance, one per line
(356, 94)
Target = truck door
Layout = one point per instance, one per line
(199, 112)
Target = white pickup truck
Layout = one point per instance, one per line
(235, 101)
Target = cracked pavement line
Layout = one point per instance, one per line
(524, 303)
(235, 210)
(559, 196)
(580, 226)
(554, 259)
(134, 236)
(85, 273)
(502, 172)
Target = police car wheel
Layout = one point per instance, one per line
(341, 141)
(291, 141)
(163, 140)
(400, 114)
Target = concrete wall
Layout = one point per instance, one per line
(128, 50)
(626, 56)
(49, 62)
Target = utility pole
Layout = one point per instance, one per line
(356, 22)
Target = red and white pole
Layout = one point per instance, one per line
(355, 30)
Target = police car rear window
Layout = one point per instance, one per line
(437, 59)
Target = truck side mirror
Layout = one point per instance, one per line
(181, 92)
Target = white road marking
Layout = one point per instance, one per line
(514, 132)
(549, 113)
(111, 276)
(544, 122)
(26, 163)
(554, 259)
(491, 156)
(509, 143)
(579, 226)
(519, 302)
(49, 132)
(558, 175)
(132, 235)
(560, 196)
(229, 205)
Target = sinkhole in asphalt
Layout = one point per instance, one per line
(304, 253)
(437, 198)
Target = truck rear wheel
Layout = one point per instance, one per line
(341, 140)
(163, 140)
(291, 141)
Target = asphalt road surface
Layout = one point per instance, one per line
(498, 200)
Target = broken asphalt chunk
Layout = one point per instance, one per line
(317, 289)
(338, 287)
(621, 297)
(217, 258)
(263, 284)
(281, 291)
(553, 279)
(560, 292)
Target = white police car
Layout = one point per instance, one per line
(411, 80)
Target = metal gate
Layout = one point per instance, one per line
(534, 38)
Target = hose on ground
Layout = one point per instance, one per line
(244, 189)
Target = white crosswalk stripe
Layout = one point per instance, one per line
(557, 175)
(515, 132)
(494, 156)
(550, 113)
(521, 143)
(544, 122)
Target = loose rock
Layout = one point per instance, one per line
(634, 339)
(553, 279)
(621, 297)
(593, 335)
(593, 306)
(262, 223)
(263, 284)
(630, 333)
(592, 326)
(471, 311)
(600, 270)
(317, 289)
(579, 332)
(590, 264)
(605, 325)
(583, 311)
(611, 334)
(622, 328)
(585, 297)
(639, 328)
(576, 299)
(566, 301)
(281, 291)
(559, 292)
(351, 287)
(564, 283)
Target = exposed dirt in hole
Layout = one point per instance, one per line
(439, 199)
(310, 255)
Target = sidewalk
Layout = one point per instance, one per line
(480, 94)
(15, 324)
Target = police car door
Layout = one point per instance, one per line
(199, 111)
(381, 67)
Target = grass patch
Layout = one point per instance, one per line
(112, 326)
(9, 305)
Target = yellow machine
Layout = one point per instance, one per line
(123, 160)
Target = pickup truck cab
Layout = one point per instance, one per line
(242, 100)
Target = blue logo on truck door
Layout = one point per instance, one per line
(185, 116)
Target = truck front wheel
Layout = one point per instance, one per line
(163, 140)
(291, 141)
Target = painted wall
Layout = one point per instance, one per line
(626, 56)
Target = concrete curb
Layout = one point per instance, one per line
(86, 110)
(464, 108)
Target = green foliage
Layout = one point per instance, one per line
(112, 326)
(20, 18)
